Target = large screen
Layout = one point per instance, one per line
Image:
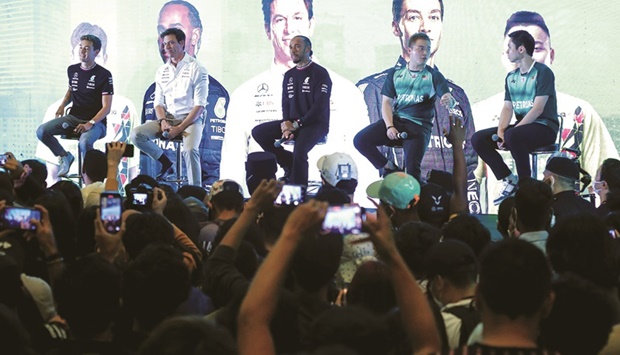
(352, 38)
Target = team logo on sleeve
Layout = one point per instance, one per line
(324, 88)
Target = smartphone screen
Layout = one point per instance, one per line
(111, 211)
(3, 159)
(291, 195)
(345, 219)
(140, 198)
(19, 218)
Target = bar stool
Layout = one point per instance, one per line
(180, 179)
(70, 135)
(548, 149)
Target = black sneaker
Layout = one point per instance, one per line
(166, 169)
(286, 178)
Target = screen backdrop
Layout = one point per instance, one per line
(353, 38)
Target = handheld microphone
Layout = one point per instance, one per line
(402, 135)
(165, 134)
(496, 138)
(279, 142)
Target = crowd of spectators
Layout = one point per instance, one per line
(206, 272)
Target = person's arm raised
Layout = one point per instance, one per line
(259, 304)
(416, 313)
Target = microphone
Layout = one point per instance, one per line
(496, 138)
(279, 142)
(402, 135)
(165, 134)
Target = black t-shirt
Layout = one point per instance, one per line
(87, 88)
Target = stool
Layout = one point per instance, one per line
(177, 141)
(70, 135)
(549, 149)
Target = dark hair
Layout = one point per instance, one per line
(352, 327)
(371, 288)
(95, 165)
(581, 319)
(513, 269)
(307, 43)
(526, 18)
(155, 284)
(227, 200)
(10, 281)
(316, 261)
(88, 295)
(72, 193)
(177, 33)
(62, 220)
(503, 215)
(177, 212)
(142, 229)
(332, 195)
(85, 228)
(13, 335)
(397, 9)
(86, 28)
(93, 39)
(192, 191)
(582, 245)
(610, 172)
(39, 171)
(266, 4)
(416, 36)
(525, 39)
(469, 230)
(533, 204)
(413, 241)
(188, 335)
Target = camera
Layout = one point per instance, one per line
(140, 197)
(19, 218)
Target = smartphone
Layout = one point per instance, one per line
(128, 150)
(19, 218)
(111, 211)
(346, 219)
(291, 195)
(3, 158)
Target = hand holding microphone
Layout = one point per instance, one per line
(499, 140)
(279, 142)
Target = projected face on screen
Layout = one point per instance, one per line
(289, 18)
(543, 53)
(86, 28)
(184, 17)
(419, 16)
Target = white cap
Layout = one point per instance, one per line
(337, 167)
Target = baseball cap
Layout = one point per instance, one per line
(563, 167)
(450, 256)
(337, 167)
(434, 204)
(397, 189)
(225, 185)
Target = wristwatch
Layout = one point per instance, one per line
(93, 122)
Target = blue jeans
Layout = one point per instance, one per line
(367, 140)
(48, 130)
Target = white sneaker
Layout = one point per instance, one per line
(509, 188)
(65, 164)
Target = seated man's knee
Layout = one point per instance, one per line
(41, 132)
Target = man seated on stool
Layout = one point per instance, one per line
(90, 90)
(409, 95)
(530, 93)
(181, 88)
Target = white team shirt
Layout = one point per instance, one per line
(178, 89)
